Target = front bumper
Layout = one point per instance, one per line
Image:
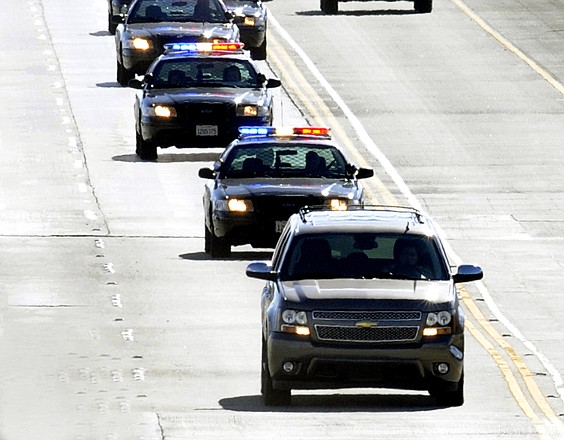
(138, 61)
(252, 36)
(246, 228)
(411, 366)
(184, 134)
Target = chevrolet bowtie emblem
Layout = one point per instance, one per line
(367, 324)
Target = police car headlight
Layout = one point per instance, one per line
(338, 204)
(234, 205)
(141, 44)
(248, 110)
(162, 111)
(249, 21)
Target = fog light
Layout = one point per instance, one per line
(288, 367)
(442, 368)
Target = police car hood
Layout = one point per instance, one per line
(258, 187)
(207, 94)
(184, 32)
(373, 289)
(242, 8)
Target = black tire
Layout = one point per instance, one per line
(449, 398)
(145, 150)
(329, 6)
(207, 239)
(123, 75)
(423, 6)
(218, 247)
(259, 53)
(111, 26)
(270, 395)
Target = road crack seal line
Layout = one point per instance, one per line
(510, 46)
(65, 107)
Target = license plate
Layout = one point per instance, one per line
(279, 226)
(206, 130)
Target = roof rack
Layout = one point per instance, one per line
(387, 208)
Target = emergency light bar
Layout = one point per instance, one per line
(203, 47)
(247, 131)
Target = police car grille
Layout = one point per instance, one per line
(368, 316)
(281, 207)
(208, 113)
(359, 334)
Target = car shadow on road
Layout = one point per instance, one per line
(235, 256)
(171, 158)
(336, 403)
(359, 13)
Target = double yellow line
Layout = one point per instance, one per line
(525, 390)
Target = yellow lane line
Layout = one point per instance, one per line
(517, 360)
(510, 378)
(293, 79)
(510, 46)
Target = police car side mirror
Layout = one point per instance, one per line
(206, 173)
(273, 83)
(135, 83)
(364, 173)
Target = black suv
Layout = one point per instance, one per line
(362, 298)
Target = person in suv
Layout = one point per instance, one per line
(361, 298)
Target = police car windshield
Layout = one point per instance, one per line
(208, 72)
(285, 160)
(183, 11)
(364, 255)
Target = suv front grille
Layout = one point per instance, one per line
(369, 316)
(359, 334)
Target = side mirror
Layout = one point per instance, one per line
(364, 173)
(135, 83)
(468, 272)
(262, 271)
(117, 19)
(206, 173)
(273, 83)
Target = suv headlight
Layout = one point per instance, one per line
(437, 323)
(294, 321)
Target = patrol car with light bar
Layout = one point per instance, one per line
(151, 24)
(268, 174)
(251, 16)
(362, 298)
(198, 95)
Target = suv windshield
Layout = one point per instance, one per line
(364, 255)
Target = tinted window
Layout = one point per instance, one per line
(364, 255)
(285, 160)
(200, 72)
(155, 11)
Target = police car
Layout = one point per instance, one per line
(251, 17)
(268, 174)
(198, 95)
(150, 24)
(116, 12)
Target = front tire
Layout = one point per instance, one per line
(270, 395)
(218, 247)
(123, 75)
(259, 53)
(329, 6)
(450, 398)
(145, 150)
(423, 6)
